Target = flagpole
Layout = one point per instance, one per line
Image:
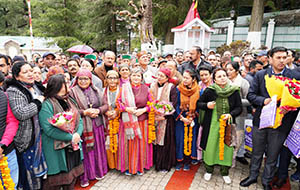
(195, 8)
(30, 25)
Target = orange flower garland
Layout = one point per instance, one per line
(151, 124)
(188, 138)
(113, 134)
(223, 124)
(5, 172)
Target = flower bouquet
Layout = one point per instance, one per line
(65, 121)
(163, 108)
(274, 85)
(287, 91)
(291, 96)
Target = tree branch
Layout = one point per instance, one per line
(157, 5)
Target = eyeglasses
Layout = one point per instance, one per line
(112, 78)
(84, 79)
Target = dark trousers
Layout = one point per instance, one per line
(224, 170)
(284, 162)
(270, 140)
(23, 181)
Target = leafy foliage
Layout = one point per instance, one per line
(103, 26)
(59, 19)
(236, 48)
(13, 17)
(93, 22)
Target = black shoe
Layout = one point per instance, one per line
(267, 187)
(279, 183)
(242, 160)
(247, 155)
(247, 182)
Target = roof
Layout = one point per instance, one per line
(191, 18)
(192, 14)
(25, 42)
(193, 22)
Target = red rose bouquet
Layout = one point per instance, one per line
(288, 93)
(290, 99)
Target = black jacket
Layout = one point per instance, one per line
(190, 65)
(235, 109)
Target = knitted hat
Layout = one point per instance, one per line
(165, 71)
(84, 72)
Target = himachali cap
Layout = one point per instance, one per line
(90, 56)
(48, 53)
(126, 57)
(141, 53)
(167, 54)
(262, 53)
(151, 60)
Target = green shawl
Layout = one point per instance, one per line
(222, 99)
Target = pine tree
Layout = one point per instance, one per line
(59, 19)
(14, 17)
(102, 25)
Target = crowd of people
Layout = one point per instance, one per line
(115, 124)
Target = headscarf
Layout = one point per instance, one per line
(82, 73)
(166, 71)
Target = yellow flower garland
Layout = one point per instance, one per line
(5, 172)
(113, 134)
(188, 138)
(151, 124)
(223, 124)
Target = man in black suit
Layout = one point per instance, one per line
(195, 63)
(268, 139)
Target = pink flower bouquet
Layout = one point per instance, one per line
(163, 108)
(65, 121)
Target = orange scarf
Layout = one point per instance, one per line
(189, 98)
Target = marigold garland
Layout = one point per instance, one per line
(151, 124)
(188, 138)
(6, 178)
(223, 124)
(113, 133)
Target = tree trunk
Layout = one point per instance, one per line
(257, 16)
(146, 25)
(113, 29)
(169, 39)
(254, 34)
